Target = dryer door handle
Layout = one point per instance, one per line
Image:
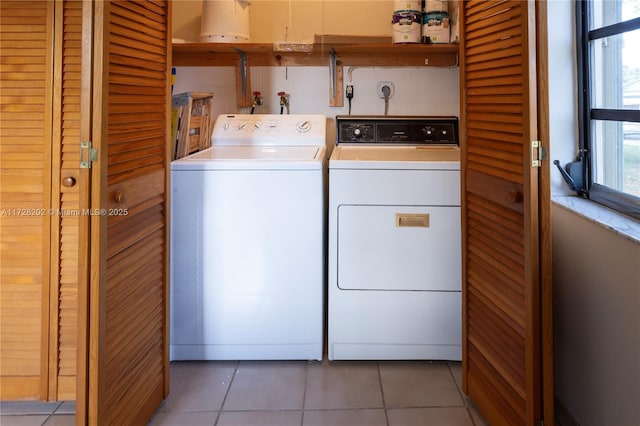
(412, 220)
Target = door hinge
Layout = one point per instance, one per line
(538, 153)
(88, 154)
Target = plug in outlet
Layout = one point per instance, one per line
(389, 85)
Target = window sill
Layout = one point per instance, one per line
(622, 225)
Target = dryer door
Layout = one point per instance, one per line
(399, 248)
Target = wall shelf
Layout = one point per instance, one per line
(317, 54)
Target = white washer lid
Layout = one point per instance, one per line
(395, 157)
(253, 158)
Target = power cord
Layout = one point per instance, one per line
(349, 94)
(386, 91)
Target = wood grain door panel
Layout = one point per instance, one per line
(26, 37)
(127, 364)
(502, 288)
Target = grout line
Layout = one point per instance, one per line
(458, 386)
(267, 410)
(384, 401)
(337, 409)
(226, 394)
(304, 392)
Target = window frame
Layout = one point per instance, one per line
(625, 203)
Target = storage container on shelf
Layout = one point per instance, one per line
(225, 21)
(406, 26)
(436, 28)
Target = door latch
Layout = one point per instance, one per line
(88, 154)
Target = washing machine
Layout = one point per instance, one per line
(394, 254)
(247, 270)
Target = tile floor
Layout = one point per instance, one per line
(283, 393)
(34, 413)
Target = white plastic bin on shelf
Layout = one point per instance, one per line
(225, 21)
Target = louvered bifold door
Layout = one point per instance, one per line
(26, 40)
(128, 362)
(65, 184)
(501, 358)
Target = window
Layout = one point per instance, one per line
(608, 34)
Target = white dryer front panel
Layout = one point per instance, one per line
(399, 248)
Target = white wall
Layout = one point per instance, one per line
(597, 321)
(563, 124)
(418, 91)
(596, 272)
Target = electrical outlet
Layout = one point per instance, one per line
(385, 83)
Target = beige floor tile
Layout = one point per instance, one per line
(418, 384)
(23, 420)
(61, 420)
(265, 385)
(437, 416)
(28, 407)
(198, 386)
(343, 384)
(184, 419)
(344, 418)
(260, 418)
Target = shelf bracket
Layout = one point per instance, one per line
(243, 82)
(336, 81)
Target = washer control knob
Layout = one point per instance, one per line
(304, 126)
(357, 132)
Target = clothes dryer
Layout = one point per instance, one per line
(394, 275)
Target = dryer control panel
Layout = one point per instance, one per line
(396, 130)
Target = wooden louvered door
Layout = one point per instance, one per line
(40, 142)
(126, 371)
(65, 185)
(26, 37)
(506, 311)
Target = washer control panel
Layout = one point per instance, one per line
(269, 129)
(390, 130)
